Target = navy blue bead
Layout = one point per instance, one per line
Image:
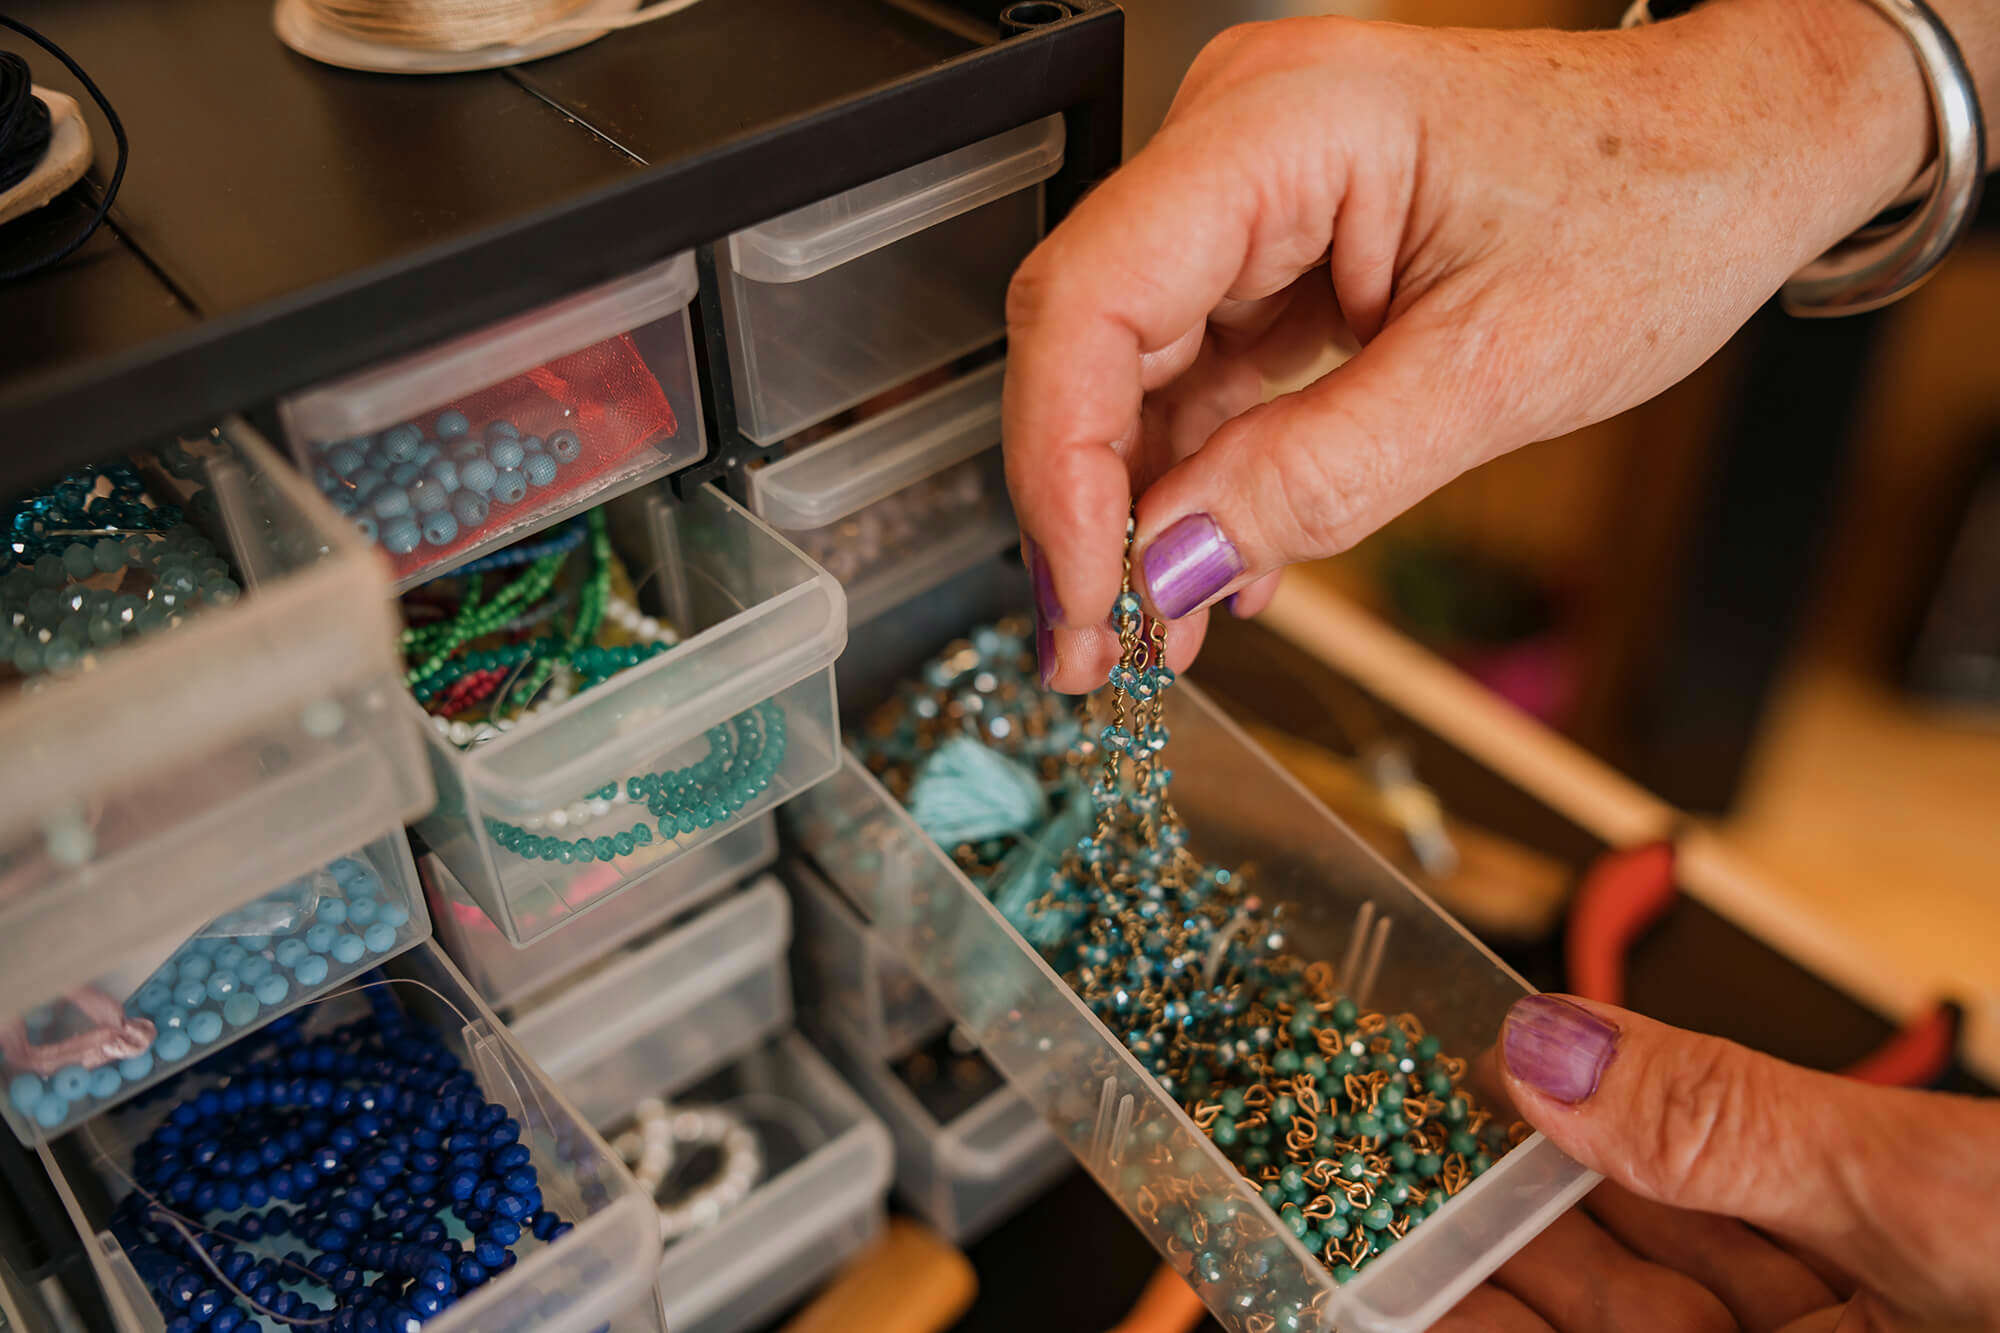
(469, 1272)
(513, 1155)
(503, 1232)
(227, 1320)
(484, 1195)
(513, 1207)
(461, 1185)
(490, 1254)
(204, 1305)
(426, 1304)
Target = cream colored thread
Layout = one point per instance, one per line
(471, 25)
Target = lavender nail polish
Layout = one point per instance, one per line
(1048, 611)
(1187, 564)
(1558, 1048)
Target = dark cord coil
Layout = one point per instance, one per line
(24, 139)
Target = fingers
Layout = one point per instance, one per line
(1764, 1286)
(1083, 657)
(1253, 598)
(1581, 1280)
(1491, 1310)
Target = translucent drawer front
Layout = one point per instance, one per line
(848, 976)
(1394, 951)
(965, 1175)
(817, 1207)
(506, 975)
(833, 303)
(94, 1046)
(671, 1010)
(762, 626)
(444, 455)
(591, 1278)
(176, 775)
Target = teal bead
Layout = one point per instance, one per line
(272, 989)
(1378, 1216)
(1462, 1143)
(1345, 1015)
(1352, 1166)
(1429, 1164)
(204, 1027)
(379, 937)
(311, 970)
(240, 1008)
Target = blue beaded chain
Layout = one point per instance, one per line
(370, 1146)
(562, 541)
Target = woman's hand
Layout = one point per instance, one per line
(1522, 232)
(1742, 1192)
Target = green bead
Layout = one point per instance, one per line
(1223, 1132)
(1403, 1156)
(1462, 1143)
(1312, 1240)
(1286, 1062)
(1232, 1102)
(1439, 1083)
(1353, 1166)
(1282, 1110)
(1429, 1164)
(1378, 1216)
(1481, 1161)
(1456, 1111)
(1368, 1126)
(1293, 1218)
(1272, 1195)
(1345, 1015)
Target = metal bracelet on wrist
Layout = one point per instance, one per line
(1881, 264)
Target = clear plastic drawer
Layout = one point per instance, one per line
(593, 1277)
(761, 628)
(832, 303)
(653, 1018)
(1393, 950)
(506, 975)
(444, 455)
(174, 776)
(846, 975)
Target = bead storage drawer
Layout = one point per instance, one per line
(670, 1009)
(900, 502)
(584, 797)
(846, 974)
(1387, 946)
(582, 1257)
(230, 724)
(94, 1046)
(832, 303)
(817, 1201)
(505, 975)
(444, 455)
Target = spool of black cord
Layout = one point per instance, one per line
(27, 129)
(24, 122)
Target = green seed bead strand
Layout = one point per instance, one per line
(589, 613)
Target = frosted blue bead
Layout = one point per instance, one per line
(367, 526)
(505, 453)
(477, 474)
(222, 983)
(273, 989)
(254, 943)
(205, 1027)
(345, 459)
(70, 1082)
(564, 446)
(399, 443)
(105, 1080)
(51, 1111)
(427, 453)
(152, 997)
(310, 971)
(171, 1045)
(240, 1008)
(389, 503)
(428, 496)
(360, 911)
(468, 506)
(290, 951)
(136, 1067)
(195, 967)
(502, 430)
(229, 954)
(320, 936)
(255, 968)
(440, 529)
(331, 911)
(531, 444)
(349, 871)
(190, 993)
(380, 937)
(348, 949)
(25, 1090)
(541, 469)
(404, 473)
(451, 424)
(366, 482)
(510, 487)
(392, 914)
(400, 536)
(444, 472)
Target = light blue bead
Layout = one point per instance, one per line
(194, 967)
(25, 1090)
(349, 870)
(348, 949)
(333, 912)
(205, 1027)
(360, 911)
(171, 1045)
(389, 503)
(290, 951)
(541, 469)
(329, 482)
(531, 444)
(367, 525)
(105, 1080)
(399, 443)
(70, 1082)
(320, 936)
(502, 430)
(380, 937)
(427, 496)
(136, 1067)
(505, 453)
(452, 424)
(564, 446)
(440, 529)
(230, 955)
(255, 968)
(510, 486)
(427, 453)
(468, 506)
(153, 997)
(273, 989)
(240, 1008)
(254, 943)
(444, 472)
(345, 459)
(310, 971)
(477, 474)
(190, 993)
(392, 914)
(51, 1111)
(400, 536)
(366, 482)
(404, 473)
(222, 983)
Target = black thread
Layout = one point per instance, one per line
(19, 111)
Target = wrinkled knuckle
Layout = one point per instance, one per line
(1708, 1110)
(1029, 291)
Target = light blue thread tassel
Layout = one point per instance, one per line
(966, 792)
(1022, 879)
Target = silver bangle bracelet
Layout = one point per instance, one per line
(1877, 266)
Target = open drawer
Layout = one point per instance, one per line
(444, 455)
(847, 976)
(1392, 950)
(750, 679)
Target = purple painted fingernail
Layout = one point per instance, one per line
(1048, 611)
(1558, 1048)
(1187, 564)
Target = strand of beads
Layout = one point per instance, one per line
(370, 1146)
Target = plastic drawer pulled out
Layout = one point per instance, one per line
(505, 975)
(656, 1018)
(760, 623)
(612, 366)
(829, 305)
(187, 772)
(1394, 949)
(848, 976)
(596, 1276)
